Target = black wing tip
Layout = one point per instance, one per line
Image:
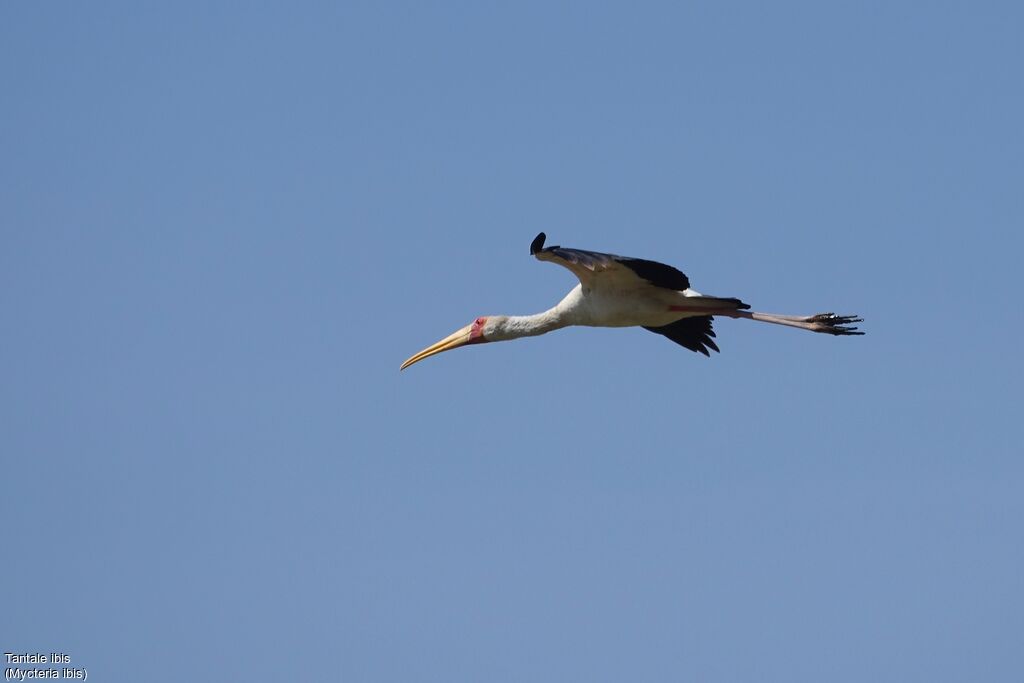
(537, 244)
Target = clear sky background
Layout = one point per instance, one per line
(224, 226)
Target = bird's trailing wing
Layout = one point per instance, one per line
(693, 333)
(589, 266)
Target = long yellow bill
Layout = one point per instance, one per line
(452, 341)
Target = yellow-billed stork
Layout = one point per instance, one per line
(618, 291)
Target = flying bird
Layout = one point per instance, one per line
(618, 291)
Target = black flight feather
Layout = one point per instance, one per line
(658, 274)
(693, 333)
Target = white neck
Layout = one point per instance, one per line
(516, 326)
(531, 325)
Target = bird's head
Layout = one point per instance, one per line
(483, 329)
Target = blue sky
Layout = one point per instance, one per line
(224, 227)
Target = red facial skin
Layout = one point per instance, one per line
(476, 333)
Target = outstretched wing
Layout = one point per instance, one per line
(693, 333)
(591, 266)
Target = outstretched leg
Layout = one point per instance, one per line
(828, 323)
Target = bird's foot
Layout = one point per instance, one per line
(830, 323)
